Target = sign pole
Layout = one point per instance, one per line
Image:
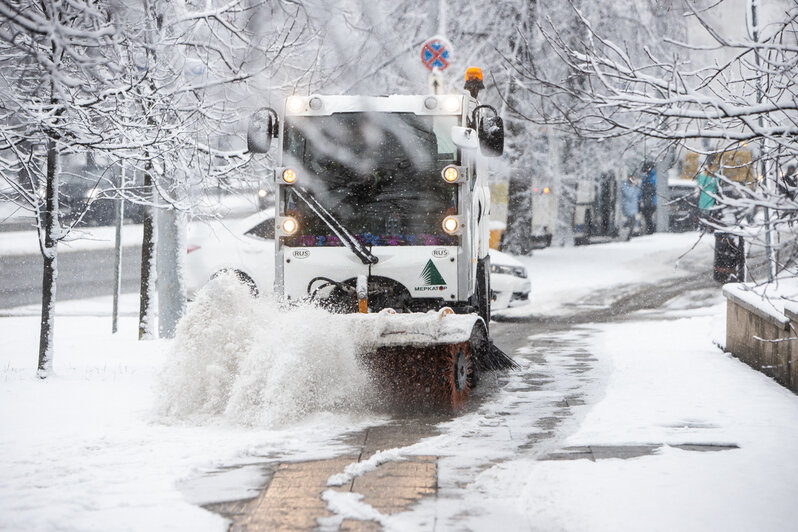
(436, 55)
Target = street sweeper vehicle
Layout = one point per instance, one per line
(382, 212)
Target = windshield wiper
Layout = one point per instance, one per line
(335, 226)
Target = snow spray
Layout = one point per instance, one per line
(254, 362)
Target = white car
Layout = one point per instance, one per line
(246, 247)
(509, 285)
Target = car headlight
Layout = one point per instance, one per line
(517, 271)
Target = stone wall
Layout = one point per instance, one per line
(766, 341)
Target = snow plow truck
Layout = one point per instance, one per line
(382, 212)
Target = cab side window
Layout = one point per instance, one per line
(264, 230)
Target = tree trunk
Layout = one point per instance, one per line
(171, 284)
(49, 250)
(120, 217)
(517, 236)
(567, 185)
(146, 289)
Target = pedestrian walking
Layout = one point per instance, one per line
(708, 192)
(630, 204)
(648, 189)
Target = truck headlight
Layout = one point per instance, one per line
(451, 224)
(295, 104)
(450, 174)
(289, 176)
(289, 226)
(92, 194)
(451, 104)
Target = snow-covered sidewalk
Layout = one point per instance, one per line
(668, 389)
(562, 277)
(90, 449)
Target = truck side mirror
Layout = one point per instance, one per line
(263, 126)
(491, 136)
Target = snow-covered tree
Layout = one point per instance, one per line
(58, 61)
(192, 72)
(558, 153)
(506, 40)
(726, 95)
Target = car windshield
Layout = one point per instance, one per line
(378, 174)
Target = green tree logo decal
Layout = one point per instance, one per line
(431, 275)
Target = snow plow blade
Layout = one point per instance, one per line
(430, 360)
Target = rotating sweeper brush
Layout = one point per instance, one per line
(428, 360)
(382, 211)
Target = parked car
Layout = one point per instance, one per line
(246, 247)
(509, 284)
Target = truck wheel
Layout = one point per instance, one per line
(242, 277)
(457, 377)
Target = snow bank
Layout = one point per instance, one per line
(252, 362)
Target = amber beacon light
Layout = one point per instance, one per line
(473, 81)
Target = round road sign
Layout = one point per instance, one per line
(436, 53)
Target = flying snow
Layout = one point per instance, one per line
(253, 362)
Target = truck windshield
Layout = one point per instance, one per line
(378, 174)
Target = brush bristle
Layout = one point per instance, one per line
(421, 378)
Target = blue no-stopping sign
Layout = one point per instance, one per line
(436, 54)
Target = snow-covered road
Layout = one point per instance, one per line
(625, 416)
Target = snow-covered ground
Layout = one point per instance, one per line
(105, 443)
(25, 242)
(667, 387)
(131, 435)
(89, 238)
(563, 276)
